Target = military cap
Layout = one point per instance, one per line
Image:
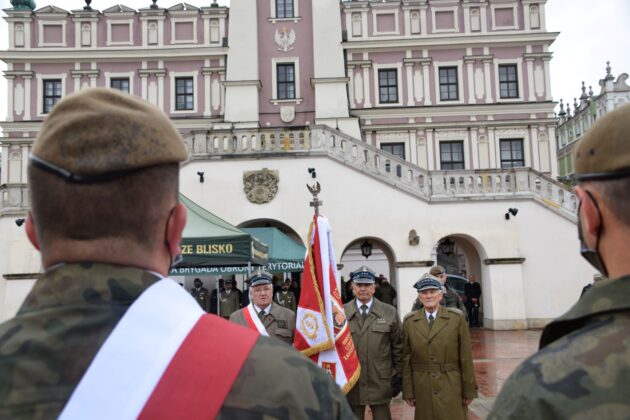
(364, 275)
(604, 151)
(428, 282)
(259, 278)
(100, 134)
(436, 270)
(230, 281)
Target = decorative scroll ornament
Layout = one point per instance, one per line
(285, 39)
(260, 186)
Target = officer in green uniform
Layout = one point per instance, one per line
(450, 298)
(201, 295)
(438, 373)
(582, 369)
(285, 297)
(103, 178)
(229, 299)
(377, 336)
(279, 322)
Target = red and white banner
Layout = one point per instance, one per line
(321, 328)
(253, 321)
(156, 361)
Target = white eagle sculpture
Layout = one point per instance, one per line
(285, 39)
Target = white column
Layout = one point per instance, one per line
(93, 77)
(410, 100)
(423, 22)
(4, 174)
(367, 101)
(351, 86)
(144, 82)
(413, 147)
(471, 81)
(144, 34)
(486, 73)
(547, 79)
(474, 146)
(77, 78)
(407, 22)
(222, 91)
(24, 173)
(535, 158)
(160, 77)
(430, 146)
(427, 84)
(553, 158)
(10, 95)
(493, 148)
(27, 95)
(206, 87)
(530, 79)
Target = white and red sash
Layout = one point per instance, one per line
(165, 358)
(251, 317)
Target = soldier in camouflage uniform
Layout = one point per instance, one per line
(582, 370)
(103, 179)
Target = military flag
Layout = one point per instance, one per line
(322, 331)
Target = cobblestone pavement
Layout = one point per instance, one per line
(496, 354)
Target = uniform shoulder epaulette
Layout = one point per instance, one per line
(409, 315)
(455, 311)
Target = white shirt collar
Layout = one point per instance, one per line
(265, 311)
(427, 313)
(359, 304)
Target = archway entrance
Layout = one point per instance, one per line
(373, 253)
(461, 257)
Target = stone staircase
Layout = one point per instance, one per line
(431, 186)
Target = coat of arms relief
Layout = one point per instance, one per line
(260, 186)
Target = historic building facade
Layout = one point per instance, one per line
(425, 121)
(572, 125)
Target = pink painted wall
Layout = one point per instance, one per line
(268, 50)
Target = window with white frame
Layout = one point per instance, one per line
(52, 89)
(184, 94)
(508, 81)
(449, 85)
(285, 81)
(120, 83)
(284, 9)
(452, 155)
(388, 86)
(512, 153)
(396, 149)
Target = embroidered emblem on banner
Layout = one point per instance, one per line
(285, 39)
(260, 186)
(310, 326)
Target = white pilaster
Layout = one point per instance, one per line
(409, 67)
(4, 175)
(27, 94)
(530, 79)
(367, 101)
(427, 85)
(475, 149)
(533, 136)
(487, 79)
(206, 84)
(430, 147)
(493, 148)
(24, 173)
(10, 95)
(351, 86)
(471, 81)
(547, 80)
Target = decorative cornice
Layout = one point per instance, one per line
(80, 73)
(422, 60)
(256, 83)
(324, 80)
(497, 261)
(112, 53)
(209, 70)
(148, 72)
(9, 74)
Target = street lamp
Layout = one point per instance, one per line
(366, 249)
(447, 247)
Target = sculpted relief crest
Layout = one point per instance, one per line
(285, 39)
(260, 186)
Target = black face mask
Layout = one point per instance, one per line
(592, 255)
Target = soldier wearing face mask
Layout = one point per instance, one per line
(582, 367)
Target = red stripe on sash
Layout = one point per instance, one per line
(248, 318)
(200, 376)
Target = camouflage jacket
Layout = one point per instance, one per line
(583, 367)
(72, 308)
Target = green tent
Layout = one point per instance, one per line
(210, 245)
(285, 254)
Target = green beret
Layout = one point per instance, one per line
(100, 134)
(604, 151)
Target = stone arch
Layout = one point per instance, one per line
(382, 261)
(469, 256)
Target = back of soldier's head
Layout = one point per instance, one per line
(104, 166)
(602, 158)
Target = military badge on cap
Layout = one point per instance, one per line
(363, 275)
(259, 278)
(428, 282)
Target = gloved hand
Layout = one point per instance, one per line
(396, 385)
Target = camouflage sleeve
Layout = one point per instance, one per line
(278, 382)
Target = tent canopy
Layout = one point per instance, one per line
(285, 254)
(210, 242)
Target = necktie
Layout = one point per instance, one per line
(261, 315)
(431, 321)
(364, 312)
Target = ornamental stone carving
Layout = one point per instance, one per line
(260, 186)
(285, 39)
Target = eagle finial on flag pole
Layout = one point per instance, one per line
(315, 189)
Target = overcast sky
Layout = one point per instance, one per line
(591, 33)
